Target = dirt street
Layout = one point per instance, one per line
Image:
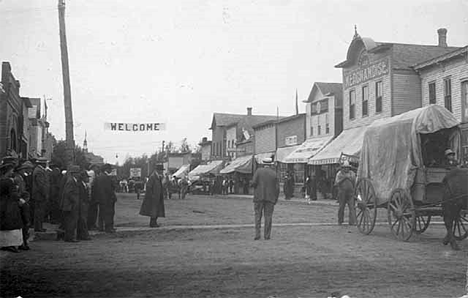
(179, 261)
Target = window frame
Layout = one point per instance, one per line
(448, 95)
(378, 97)
(365, 101)
(352, 106)
(434, 93)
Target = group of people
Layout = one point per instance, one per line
(175, 185)
(35, 191)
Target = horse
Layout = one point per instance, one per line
(455, 199)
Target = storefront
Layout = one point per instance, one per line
(240, 171)
(182, 171)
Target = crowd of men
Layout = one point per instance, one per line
(35, 191)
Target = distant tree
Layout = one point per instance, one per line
(59, 155)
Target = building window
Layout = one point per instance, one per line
(311, 130)
(365, 100)
(327, 124)
(378, 97)
(448, 93)
(352, 103)
(318, 129)
(432, 93)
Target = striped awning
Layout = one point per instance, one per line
(307, 149)
(241, 164)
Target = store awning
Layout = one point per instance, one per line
(241, 164)
(211, 168)
(282, 153)
(182, 171)
(261, 156)
(348, 142)
(308, 149)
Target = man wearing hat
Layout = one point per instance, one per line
(153, 202)
(104, 193)
(20, 175)
(345, 182)
(40, 193)
(69, 203)
(450, 159)
(93, 172)
(266, 192)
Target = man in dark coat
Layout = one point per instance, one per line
(153, 203)
(82, 232)
(93, 204)
(266, 192)
(21, 172)
(311, 187)
(54, 198)
(70, 203)
(104, 193)
(40, 193)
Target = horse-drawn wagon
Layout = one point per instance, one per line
(402, 168)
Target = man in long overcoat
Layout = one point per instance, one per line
(266, 192)
(345, 181)
(104, 193)
(69, 203)
(40, 193)
(153, 203)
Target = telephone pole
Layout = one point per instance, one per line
(66, 86)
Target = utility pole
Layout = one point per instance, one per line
(66, 86)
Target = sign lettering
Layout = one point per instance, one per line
(114, 126)
(364, 74)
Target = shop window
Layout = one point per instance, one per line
(432, 93)
(365, 100)
(327, 124)
(378, 97)
(448, 94)
(299, 173)
(352, 103)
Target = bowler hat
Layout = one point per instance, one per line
(159, 167)
(41, 160)
(74, 169)
(27, 165)
(449, 151)
(346, 164)
(106, 167)
(267, 160)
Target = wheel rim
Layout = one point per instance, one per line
(422, 223)
(460, 226)
(365, 206)
(401, 217)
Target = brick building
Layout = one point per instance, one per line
(265, 140)
(444, 81)
(14, 124)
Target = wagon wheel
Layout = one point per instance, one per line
(460, 226)
(365, 206)
(421, 223)
(401, 214)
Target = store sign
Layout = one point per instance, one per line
(366, 73)
(135, 172)
(115, 126)
(290, 141)
(235, 150)
(320, 107)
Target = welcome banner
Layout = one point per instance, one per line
(118, 126)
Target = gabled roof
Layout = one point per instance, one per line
(326, 89)
(404, 55)
(407, 55)
(444, 57)
(222, 119)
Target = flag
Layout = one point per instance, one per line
(297, 104)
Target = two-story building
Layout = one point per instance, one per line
(378, 82)
(444, 81)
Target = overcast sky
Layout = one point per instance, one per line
(179, 61)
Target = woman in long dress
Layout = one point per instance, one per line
(10, 214)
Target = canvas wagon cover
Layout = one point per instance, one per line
(391, 149)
